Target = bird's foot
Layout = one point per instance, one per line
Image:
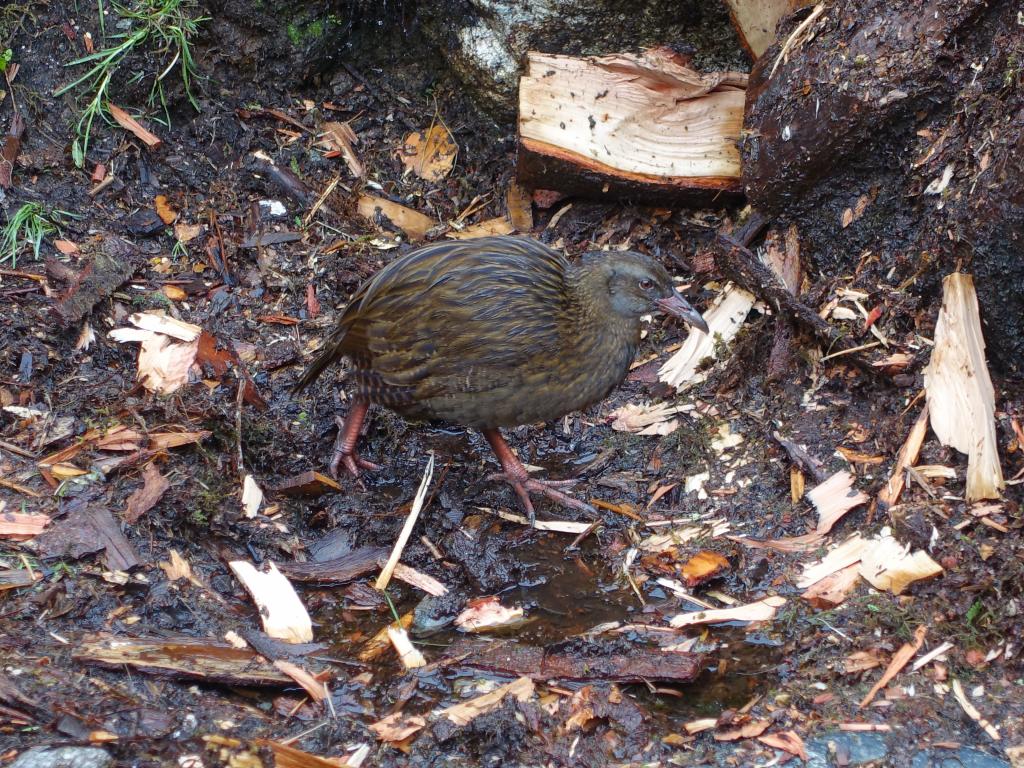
(344, 455)
(524, 485)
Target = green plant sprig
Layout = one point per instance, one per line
(169, 25)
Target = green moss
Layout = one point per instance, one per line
(294, 34)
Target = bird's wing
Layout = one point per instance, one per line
(462, 317)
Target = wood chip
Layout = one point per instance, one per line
(906, 458)
(899, 661)
(413, 223)
(309, 484)
(398, 727)
(464, 713)
(961, 399)
(485, 613)
(889, 565)
(317, 691)
(183, 658)
(19, 526)
(408, 654)
(724, 319)
(972, 711)
(406, 532)
(759, 610)
(488, 228)
(283, 615)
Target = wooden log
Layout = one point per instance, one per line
(755, 21)
(641, 126)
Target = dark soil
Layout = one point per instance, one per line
(789, 671)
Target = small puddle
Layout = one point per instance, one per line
(570, 593)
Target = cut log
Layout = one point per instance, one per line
(756, 20)
(641, 126)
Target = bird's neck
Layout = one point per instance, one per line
(595, 323)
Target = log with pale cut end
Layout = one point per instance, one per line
(642, 126)
(756, 20)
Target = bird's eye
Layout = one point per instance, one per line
(646, 285)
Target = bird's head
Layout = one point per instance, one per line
(638, 285)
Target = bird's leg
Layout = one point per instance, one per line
(515, 474)
(344, 454)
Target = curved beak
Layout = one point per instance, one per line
(677, 306)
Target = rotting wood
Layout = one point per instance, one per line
(642, 125)
(185, 658)
(113, 264)
(637, 665)
(340, 570)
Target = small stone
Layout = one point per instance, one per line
(63, 757)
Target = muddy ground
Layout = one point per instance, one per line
(790, 673)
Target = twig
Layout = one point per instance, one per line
(410, 522)
(801, 458)
(239, 401)
(735, 261)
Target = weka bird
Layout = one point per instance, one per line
(493, 332)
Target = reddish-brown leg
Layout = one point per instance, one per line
(345, 445)
(515, 474)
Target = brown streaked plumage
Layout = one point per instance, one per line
(490, 333)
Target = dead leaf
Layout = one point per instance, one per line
(146, 497)
(129, 123)
(184, 233)
(164, 210)
(432, 155)
(173, 292)
(177, 567)
(703, 566)
(748, 730)
(862, 661)
(66, 247)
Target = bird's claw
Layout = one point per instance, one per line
(345, 456)
(524, 486)
(352, 463)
